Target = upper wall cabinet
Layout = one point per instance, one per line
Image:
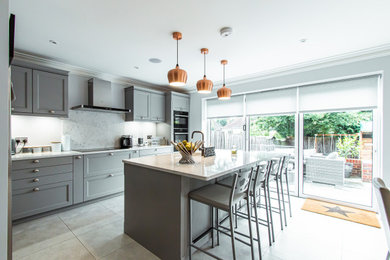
(157, 107)
(21, 79)
(39, 91)
(180, 103)
(145, 105)
(50, 93)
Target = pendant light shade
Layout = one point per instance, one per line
(177, 77)
(224, 93)
(204, 85)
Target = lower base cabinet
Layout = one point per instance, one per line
(96, 187)
(31, 201)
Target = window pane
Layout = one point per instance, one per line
(275, 133)
(224, 133)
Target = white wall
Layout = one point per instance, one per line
(4, 129)
(353, 68)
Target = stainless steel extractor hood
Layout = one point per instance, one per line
(99, 98)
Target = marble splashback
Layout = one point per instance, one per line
(99, 129)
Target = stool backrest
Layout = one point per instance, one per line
(274, 168)
(383, 198)
(241, 183)
(284, 167)
(261, 173)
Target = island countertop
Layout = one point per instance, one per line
(205, 169)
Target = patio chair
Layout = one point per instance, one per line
(325, 170)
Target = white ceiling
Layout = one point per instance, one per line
(114, 36)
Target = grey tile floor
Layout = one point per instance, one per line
(95, 231)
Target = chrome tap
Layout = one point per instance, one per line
(200, 132)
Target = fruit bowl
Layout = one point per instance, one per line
(187, 149)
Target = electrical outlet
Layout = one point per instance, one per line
(21, 139)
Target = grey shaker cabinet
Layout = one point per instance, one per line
(104, 163)
(157, 107)
(103, 185)
(145, 105)
(103, 174)
(31, 201)
(78, 179)
(134, 154)
(180, 103)
(50, 93)
(21, 79)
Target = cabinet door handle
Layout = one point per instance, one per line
(111, 154)
(36, 161)
(78, 157)
(52, 111)
(36, 189)
(36, 180)
(12, 109)
(36, 170)
(111, 175)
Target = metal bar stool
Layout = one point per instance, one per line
(260, 180)
(223, 198)
(286, 163)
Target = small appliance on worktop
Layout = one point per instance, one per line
(126, 141)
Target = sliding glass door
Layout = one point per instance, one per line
(275, 133)
(338, 155)
(329, 129)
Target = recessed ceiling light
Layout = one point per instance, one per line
(53, 42)
(155, 60)
(136, 67)
(303, 40)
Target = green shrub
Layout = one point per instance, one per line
(349, 147)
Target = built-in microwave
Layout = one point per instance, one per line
(180, 120)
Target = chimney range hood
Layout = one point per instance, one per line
(99, 98)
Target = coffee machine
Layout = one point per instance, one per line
(126, 141)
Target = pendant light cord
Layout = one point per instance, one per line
(177, 52)
(204, 64)
(224, 75)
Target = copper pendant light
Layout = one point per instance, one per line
(204, 85)
(224, 93)
(177, 77)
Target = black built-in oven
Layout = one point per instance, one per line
(180, 120)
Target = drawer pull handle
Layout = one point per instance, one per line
(36, 161)
(36, 189)
(36, 180)
(111, 175)
(36, 170)
(52, 111)
(78, 157)
(111, 154)
(12, 109)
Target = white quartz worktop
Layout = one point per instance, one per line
(204, 168)
(26, 156)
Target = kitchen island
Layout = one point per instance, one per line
(156, 202)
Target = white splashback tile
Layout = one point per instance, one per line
(39, 130)
(99, 129)
(86, 129)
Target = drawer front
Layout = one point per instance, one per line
(154, 151)
(41, 171)
(38, 181)
(134, 154)
(26, 202)
(147, 152)
(34, 163)
(104, 163)
(164, 150)
(100, 186)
